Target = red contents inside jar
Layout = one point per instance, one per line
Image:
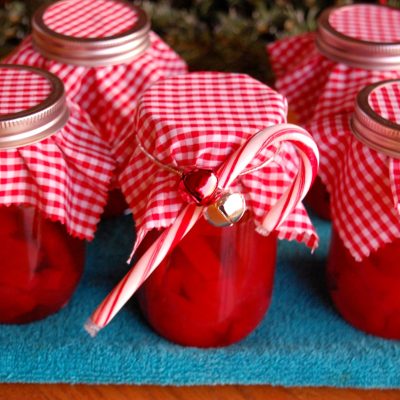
(41, 265)
(214, 288)
(116, 204)
(366, 293)
(318, 199)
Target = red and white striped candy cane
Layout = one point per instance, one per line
(308, 168)
(234, 166)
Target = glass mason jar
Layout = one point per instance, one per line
(41, 264)
(214, 288)
(318, 199)
(354, 46)
(116, 204)
(217, 176)
(366, 293)
(98, 44)
(106, 56)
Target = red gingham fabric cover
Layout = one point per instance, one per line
(109, 94)
(14, 97)
(316, 86)
(197, 120)
(364, 184)
(368, 22)
(107, 18)
(66, 175)
(385, 101)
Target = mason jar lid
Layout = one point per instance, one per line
(376, 119)
(32, 105)
(91, 33)
(361, 35)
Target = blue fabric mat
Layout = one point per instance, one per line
(301, 342)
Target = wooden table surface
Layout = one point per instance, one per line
(234, 392)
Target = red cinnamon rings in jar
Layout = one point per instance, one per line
(106, 55)
(321, 73)
(54, 176)
(217, 176)
(361, 167)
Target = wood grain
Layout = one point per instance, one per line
(235, 392)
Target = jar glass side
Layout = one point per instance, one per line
(214, 288)
(318, 197)
(41, 265)
(366, 293)
(319, 200)
(116, 204)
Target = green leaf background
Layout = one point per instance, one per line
(224, 35)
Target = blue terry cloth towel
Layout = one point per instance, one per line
(301, 342)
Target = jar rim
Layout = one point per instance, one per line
(354, 52)
(39, 121)
(373, 129)
(103, 51)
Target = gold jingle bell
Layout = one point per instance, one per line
(227, 210)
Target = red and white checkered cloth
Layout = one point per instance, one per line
(368, 22)
(385, 101)
(89, 19)
(316, 86)
(364, 184)
(15, 97)
(109, 94)
(197, 120)
(66, 175)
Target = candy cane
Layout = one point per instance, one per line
(309, 156)
(227, 173)
(150, 260)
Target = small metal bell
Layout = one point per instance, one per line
(227, 210)
(198, 186)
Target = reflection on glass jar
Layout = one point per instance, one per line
(41, 265)
(214, 288)
(318, 199)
